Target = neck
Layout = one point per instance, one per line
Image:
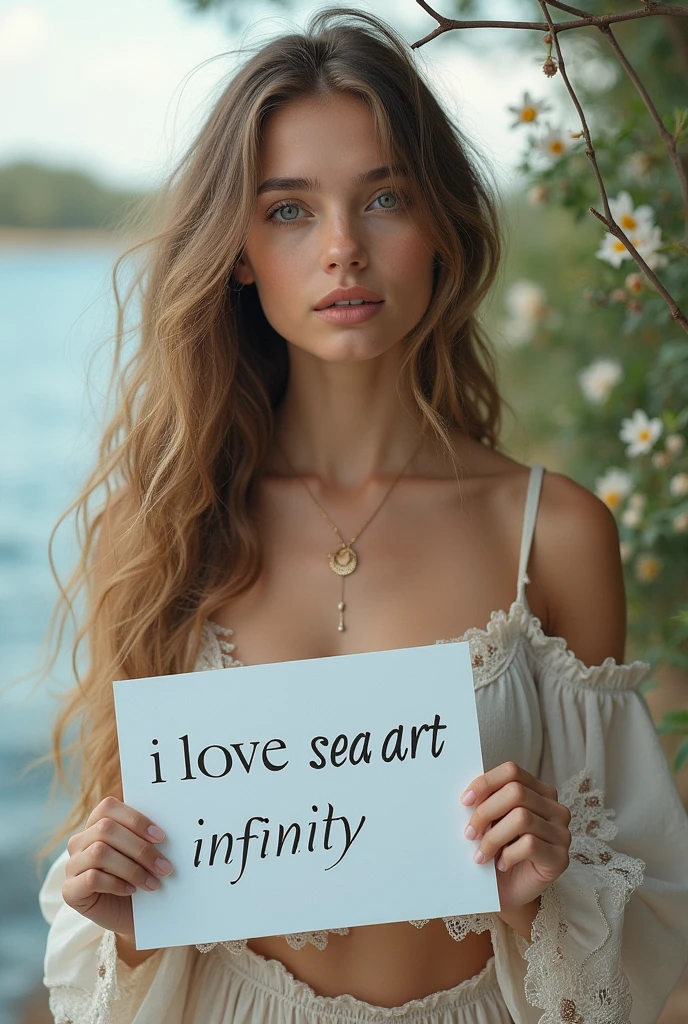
(345, 423)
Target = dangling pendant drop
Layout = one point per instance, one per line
(341, 606)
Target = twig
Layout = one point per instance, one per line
(677, 315)
(669, 140)
(602, 22)
(597, 20)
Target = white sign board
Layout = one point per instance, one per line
(306, 795)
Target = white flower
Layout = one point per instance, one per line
(632, 220)
(554, 144)
(598, 379)
(526, 302)
(678, 485)
(640, 432)
(674, 443)
(528, 111)
(646, 242)
(660, 460)
(637, 224)
(638, 500)
(680, 523)
(636, 166)
(613, 487)
(625, 550)
(632, 517)
(648, 567)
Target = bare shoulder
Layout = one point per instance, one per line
(577, 565)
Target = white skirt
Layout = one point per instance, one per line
(249, 989)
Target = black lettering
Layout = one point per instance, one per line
(156, 760)
(240, 753)
(282, 837)
(415, 736)
(396, 752)
(264, 847)
(228, 761)
(339, 748)
(187, 758)
(328, 827)
(246, 839)
(275, 745)
(365, 749)
(435, 729)
(322, 741)
(349, 838)
(215, 846)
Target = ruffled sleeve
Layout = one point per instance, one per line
(89, 984)
(610, 939)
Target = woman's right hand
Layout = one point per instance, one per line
(113, 856)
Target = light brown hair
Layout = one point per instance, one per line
(173, 537)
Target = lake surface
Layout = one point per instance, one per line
(55, 308)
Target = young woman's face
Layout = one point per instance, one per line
(335, 230)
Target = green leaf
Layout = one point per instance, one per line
(673, 722)
(681, 756)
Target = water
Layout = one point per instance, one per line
(55, 307)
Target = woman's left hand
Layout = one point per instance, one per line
(519, 822)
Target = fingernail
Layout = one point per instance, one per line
(156, 833)
(468, 798)
(501, 864)
(478, 856)
(163, 866)
(469, 832)
(130, 888)
(151, 883)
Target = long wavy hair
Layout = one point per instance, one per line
(173, 536)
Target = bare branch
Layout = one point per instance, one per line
(677, 315)
(584, 21)
(669, 140)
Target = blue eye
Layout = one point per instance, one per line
(292, 207)
(284, 206)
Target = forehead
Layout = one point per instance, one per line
(333, 136)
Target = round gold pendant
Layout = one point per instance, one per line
(343, 561)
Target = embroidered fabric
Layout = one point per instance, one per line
(576, 981)
(116, 986)
(492, 651)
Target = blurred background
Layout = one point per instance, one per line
(99, 101)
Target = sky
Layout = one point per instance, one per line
(118, 88)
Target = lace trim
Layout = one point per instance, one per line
(492, 651)
(459, 927)
(114, 986)
(583, 987)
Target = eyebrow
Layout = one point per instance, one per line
(313, 185)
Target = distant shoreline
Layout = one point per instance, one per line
(82, 238)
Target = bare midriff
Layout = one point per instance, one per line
(385, 965)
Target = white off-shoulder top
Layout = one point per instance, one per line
(610, 939)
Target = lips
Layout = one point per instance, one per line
(347, 294)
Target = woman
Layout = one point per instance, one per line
(259, 414)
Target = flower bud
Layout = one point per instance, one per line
(550, 68)
(635, 283)
(675, 443)
(680, 523)
(660, 460)
(618, 295)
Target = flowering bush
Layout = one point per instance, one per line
(622, 428)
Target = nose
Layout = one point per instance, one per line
(343, 244)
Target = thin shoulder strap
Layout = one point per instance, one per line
(529, 518)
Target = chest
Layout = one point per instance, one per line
(436, 563)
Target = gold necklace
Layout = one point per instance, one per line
(344, 560)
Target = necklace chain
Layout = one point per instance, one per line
(344, 561)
